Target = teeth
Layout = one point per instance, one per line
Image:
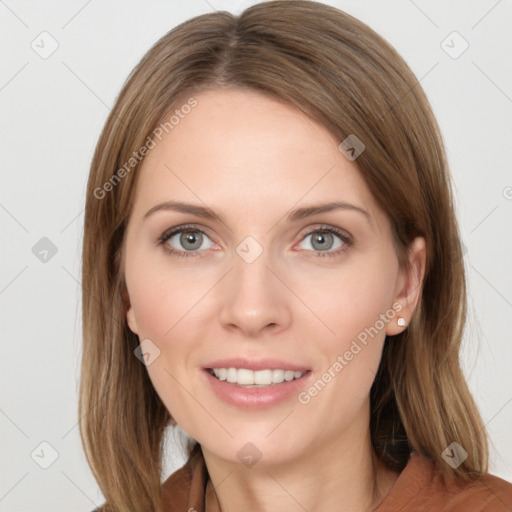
(260, 378)
(277, 376)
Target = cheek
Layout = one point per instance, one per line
(163, 308)
(152, 311)
(351, 299)
(168, 309)
(160, 298)
(355, 306)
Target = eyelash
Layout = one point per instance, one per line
(345, 238)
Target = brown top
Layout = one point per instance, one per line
(419, 487)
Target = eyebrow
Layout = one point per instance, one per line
(293, 216)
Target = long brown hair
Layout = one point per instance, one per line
(343, 75)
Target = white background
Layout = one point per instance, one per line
(52, 112)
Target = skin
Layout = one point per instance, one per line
(253, 160)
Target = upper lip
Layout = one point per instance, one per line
(256, 364)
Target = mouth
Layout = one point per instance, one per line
(264, 378)
(256, 383)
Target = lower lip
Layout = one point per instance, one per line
(255, 398)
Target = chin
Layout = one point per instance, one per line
(251, 447)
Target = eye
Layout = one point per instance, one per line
(188, 241)
(184, 241)
(327, 241)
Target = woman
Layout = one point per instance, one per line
(307, 339)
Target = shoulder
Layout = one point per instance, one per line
(176, 488)
(421, 487)
(489, 493)
(184, 489)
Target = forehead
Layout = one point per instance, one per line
(241, 150)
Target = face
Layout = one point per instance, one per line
(251, 276)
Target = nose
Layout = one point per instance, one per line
(254, 299)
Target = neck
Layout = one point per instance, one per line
(342, 474)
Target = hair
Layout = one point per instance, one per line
(349, 79)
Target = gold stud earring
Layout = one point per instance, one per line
(401, 321)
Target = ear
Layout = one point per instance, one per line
(409, 286)
(130, 315)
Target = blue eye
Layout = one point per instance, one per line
(188, 237)
(323, 241)
(189, 241)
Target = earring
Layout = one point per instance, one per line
(401, 321)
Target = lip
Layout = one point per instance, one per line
(253, 364)
(255, 398)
